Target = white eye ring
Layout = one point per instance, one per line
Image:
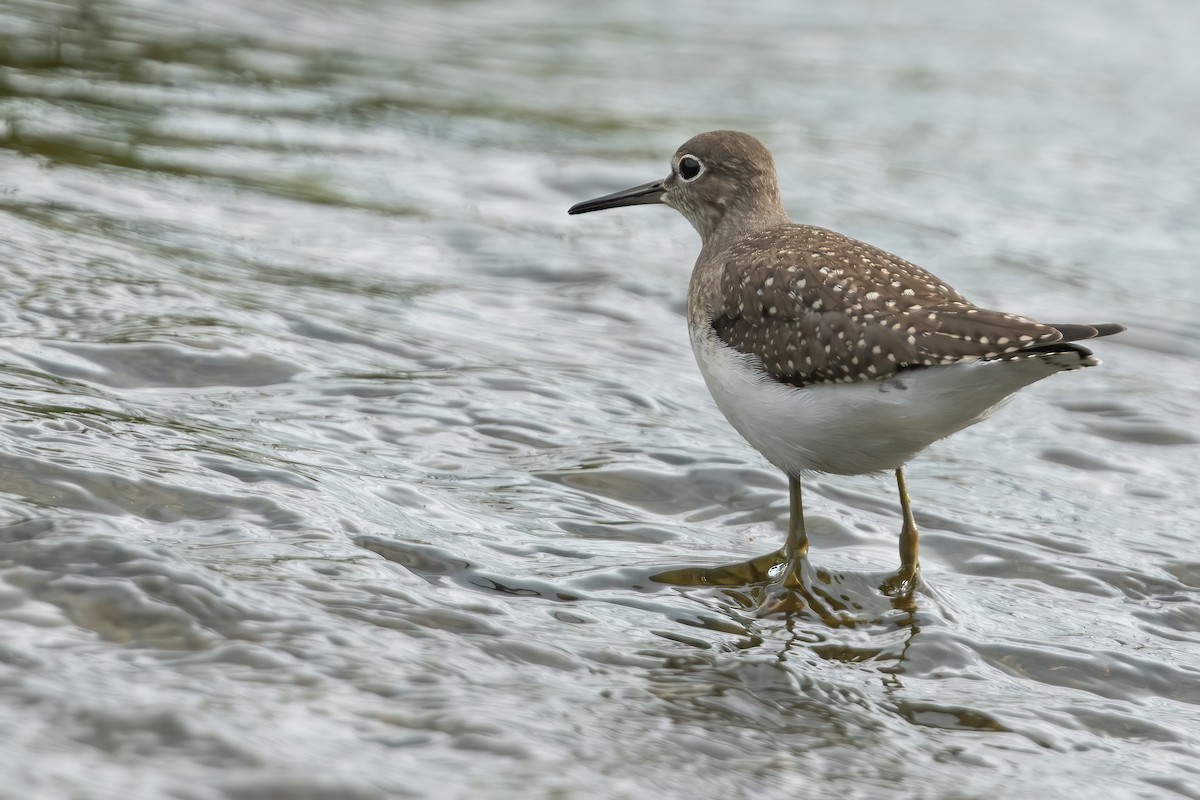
(689, 168)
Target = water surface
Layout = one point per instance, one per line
(335, 459)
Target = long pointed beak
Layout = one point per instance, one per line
(639, 195)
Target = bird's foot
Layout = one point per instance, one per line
(791, 590)
(770, 585)
(903, 583)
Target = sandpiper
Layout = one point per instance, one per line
(827, 354)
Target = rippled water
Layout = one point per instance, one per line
(336, 458)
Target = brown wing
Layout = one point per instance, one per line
(819, 307)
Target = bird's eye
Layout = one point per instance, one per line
(690, 167)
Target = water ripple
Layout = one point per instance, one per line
(336, 460)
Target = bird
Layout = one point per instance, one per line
(827, 354)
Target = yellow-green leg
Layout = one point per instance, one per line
(910, 570)
(756, 570)
(781, 581)
(796, 547)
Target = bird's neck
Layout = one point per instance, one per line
(751, 215)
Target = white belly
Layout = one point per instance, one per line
(853, 428)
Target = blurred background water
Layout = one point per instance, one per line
(335, 458)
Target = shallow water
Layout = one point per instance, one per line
(336, 458)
